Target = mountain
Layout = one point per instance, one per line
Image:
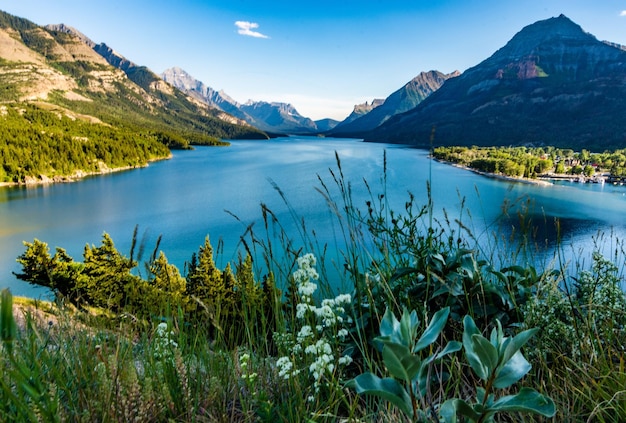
(359, 111)
(278, 117)
(325, 125)
(198, 90)
(406, 98)
(272, 117)
(551, 84)
(111, 83)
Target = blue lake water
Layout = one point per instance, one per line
(187, 198)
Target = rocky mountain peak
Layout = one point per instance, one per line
(72, 31)
(539, 35)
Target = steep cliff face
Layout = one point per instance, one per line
(406, 98)
(551, 84)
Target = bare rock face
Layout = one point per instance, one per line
(551, 84)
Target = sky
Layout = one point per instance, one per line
(322, 56)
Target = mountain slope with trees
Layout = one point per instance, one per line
(552, 84)
(54, 82)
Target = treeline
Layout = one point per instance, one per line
(108, 280)
(42, 142)
(531, 162)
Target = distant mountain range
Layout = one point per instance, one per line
(278, 117)
(272, 117)
(551, 84)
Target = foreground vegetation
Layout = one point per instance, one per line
(432, 327)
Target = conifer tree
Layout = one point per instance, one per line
(107, 280)
(167, 286)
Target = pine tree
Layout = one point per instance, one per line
(168, 287)
(107, 281)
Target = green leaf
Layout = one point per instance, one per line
(527, 400)
(389, 327)
(469, 330)
(486, 352)
(452, 407)
(517, 343)
(408, 327)
(437, 323)
(400, 362)
(512, 371)
(387, 388)
(451, 347)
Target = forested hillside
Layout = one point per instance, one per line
(40, 142)
(67, 111)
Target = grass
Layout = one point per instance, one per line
(79, 364)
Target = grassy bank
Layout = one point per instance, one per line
(490, 335)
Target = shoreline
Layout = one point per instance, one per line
(34, 181)
(521, 180)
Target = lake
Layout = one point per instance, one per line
(198, 193)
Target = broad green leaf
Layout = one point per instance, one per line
(469, 330)
(517, 343)
(408, 327)
(400, 362)
(387, 388)
(512, 371)
(451, 347)
(389, 325)
(527, 400)
(437, 323)
(452, 407)
(486, 352)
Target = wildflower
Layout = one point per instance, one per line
(345, 360)
(343, 299)
(307, 288)
(342, 333)
(305, 332)
(285, 368)
(163, 344)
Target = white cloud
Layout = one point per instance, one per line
(623, 13)
(246, 28)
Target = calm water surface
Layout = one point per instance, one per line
(187, 198)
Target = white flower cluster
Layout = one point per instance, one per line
(164, 345)
(285, 368)
(305, 275)
(320, 329)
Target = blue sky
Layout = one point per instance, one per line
(321, 56)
